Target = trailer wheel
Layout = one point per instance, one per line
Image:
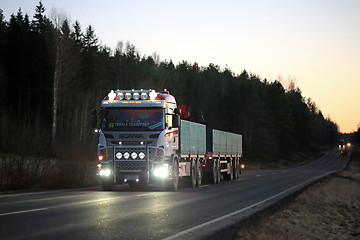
(218, 165)
(193, 173)
(212, 176)
(198, 173)
(230, 175)
(236, 168)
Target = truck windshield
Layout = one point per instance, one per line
(139, 119)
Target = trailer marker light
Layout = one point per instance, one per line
(242, 166)
(101, 157)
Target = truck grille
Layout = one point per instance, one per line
(134, 159)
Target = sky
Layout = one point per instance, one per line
(316, 43)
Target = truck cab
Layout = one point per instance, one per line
(138, 138)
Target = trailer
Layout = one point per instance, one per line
(142, 141)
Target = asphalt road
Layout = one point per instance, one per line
(155, 214)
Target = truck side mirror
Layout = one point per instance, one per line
(177, 111)
(94, 119)
(176, 121)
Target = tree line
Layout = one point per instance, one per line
(52, 74)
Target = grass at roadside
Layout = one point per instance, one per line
(328, 209)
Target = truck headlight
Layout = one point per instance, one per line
(118, 155)
(162, 171)
(134, 155)
(126, 155)
(105, 172)
(141, 155)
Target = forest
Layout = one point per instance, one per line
(52, 74)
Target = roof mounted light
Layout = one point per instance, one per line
(144, 96)
(127, 96)
(136, 96)
(120, 95)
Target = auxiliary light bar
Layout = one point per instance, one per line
(131, 95)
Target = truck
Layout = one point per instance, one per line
(142, 140)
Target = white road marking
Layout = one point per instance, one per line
(24, 211)
(180, 235)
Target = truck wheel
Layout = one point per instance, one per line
(218, 171)
(230, 175)
(198, 173)
(213, 175)
(193, 173)
(108, 185)
(174, 182)
(240, 169)
(236, 168)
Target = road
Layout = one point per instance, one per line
(155, 214)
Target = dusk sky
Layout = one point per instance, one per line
(315, 42)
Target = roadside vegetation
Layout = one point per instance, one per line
(52, 74)
(328, 209)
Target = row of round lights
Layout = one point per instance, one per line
(127, 155)
(134, 96)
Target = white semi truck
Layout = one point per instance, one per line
(143, 141)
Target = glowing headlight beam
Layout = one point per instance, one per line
(105, 172)
(162, 171)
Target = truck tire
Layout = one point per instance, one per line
(198, 173)
(108, 185)
(212, 176)
(174, 182)
(230, 175)
(218, 165)
(193, 173)
(236, 168)
(190, 181)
